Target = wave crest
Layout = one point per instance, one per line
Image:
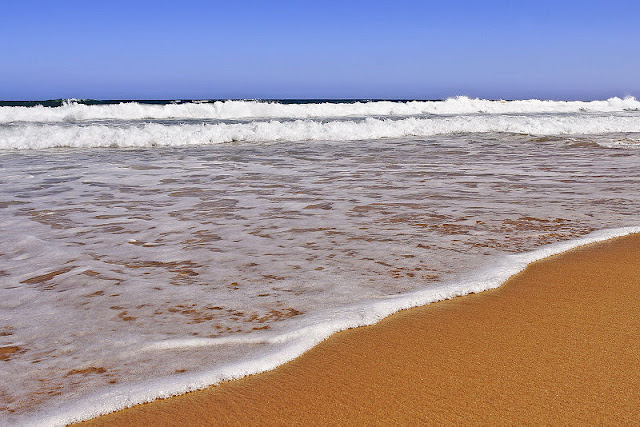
(41, 136)
(74, 111)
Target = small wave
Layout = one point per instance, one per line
(75, 111)
(39, 136)
(120, 397)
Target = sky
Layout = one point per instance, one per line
(190, 49)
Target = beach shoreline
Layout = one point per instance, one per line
(556, 343)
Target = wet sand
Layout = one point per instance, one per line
(557, 343)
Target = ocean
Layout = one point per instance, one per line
(153, 248)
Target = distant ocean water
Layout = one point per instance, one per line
(152, 248)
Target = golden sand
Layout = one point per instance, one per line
(558, 343)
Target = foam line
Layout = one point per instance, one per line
(38, 136)
(72, 111)
(297, 342)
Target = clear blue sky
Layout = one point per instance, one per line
(319, 49)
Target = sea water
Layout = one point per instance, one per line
(149, 249)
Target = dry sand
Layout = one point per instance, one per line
(558, 343)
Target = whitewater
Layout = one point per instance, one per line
(151, 249)
(132, 124)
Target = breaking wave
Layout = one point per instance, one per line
(43, 136)
(74, 111)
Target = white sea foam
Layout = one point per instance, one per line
(296, 342)
(40, 136)
(228, 110)
(132, 274)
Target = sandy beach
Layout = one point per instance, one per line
(557, 343)
(284, 213)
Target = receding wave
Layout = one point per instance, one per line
(41, 136)
(73, 111)
(297, 342)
